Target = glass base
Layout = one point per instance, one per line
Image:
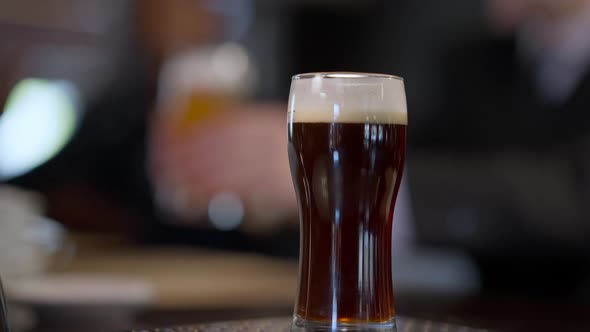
(303, 325)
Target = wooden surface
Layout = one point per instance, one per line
(195, 286)
(192, 278)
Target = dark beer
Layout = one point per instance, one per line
(347, 139)
(346, 176)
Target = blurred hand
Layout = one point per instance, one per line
(241, 152)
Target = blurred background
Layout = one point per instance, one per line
(144, 178)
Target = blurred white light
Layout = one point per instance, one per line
(231, 63)
(38, 119)
(226, 211)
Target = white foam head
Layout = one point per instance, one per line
(348, 97)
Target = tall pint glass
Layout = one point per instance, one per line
(347, 141)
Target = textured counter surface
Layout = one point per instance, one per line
(283, 324)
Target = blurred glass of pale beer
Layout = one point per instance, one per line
(347, 141)
(194, 86)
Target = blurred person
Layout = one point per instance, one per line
(216, 145)
(240, 152)
(507, 152)
(102, 178)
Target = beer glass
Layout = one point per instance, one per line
(347, 140)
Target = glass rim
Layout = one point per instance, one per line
(344, 74)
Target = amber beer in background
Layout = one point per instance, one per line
(347, 139)
(194, 86)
